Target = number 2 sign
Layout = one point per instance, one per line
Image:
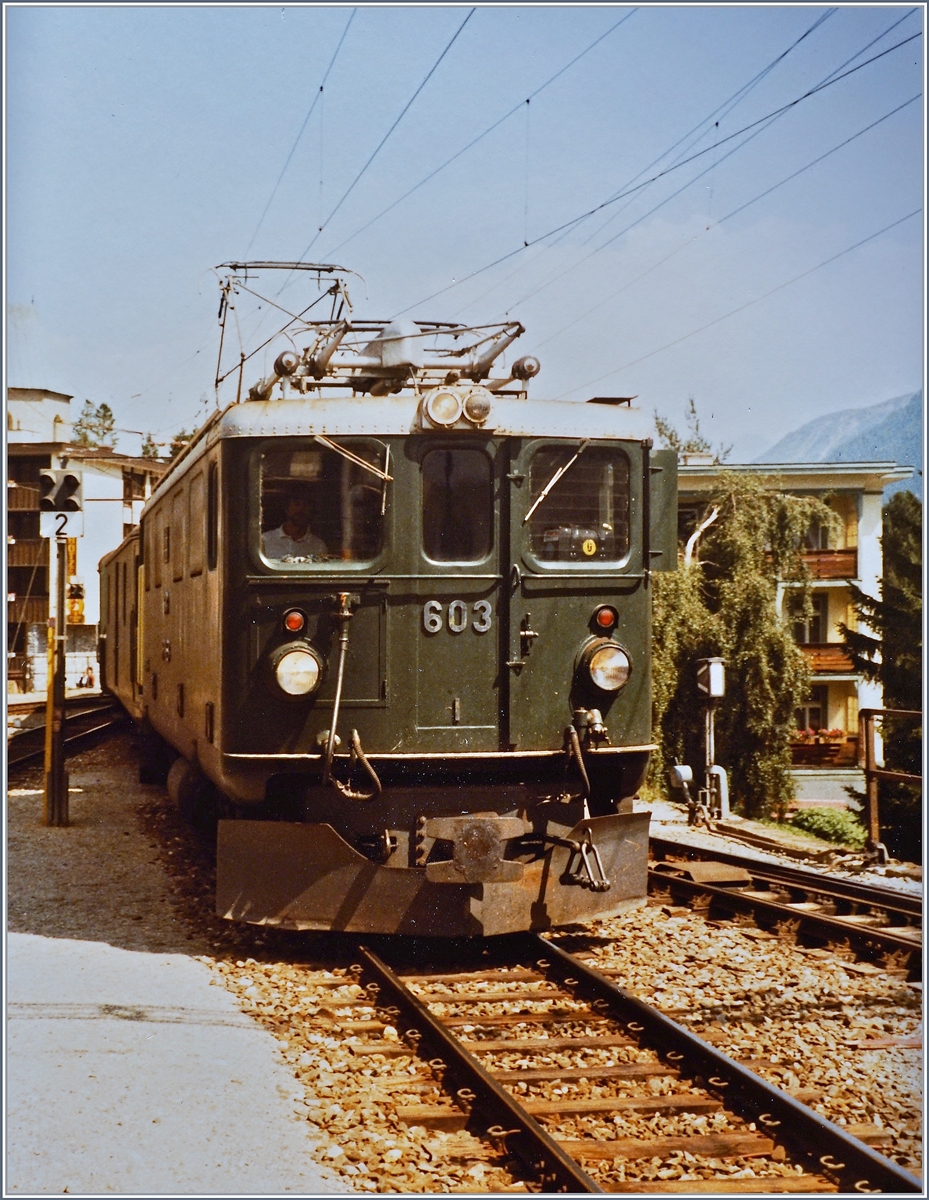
(61, 524)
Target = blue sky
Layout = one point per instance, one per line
(144, 144)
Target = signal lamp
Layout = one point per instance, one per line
(294, 621)
(443, 408)
(298, 671)
(605, 617)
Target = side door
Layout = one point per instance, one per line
(457, 593)
(577, 511)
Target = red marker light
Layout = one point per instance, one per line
(294, 621)
(606, 617)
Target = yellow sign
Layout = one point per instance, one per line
(589, 546)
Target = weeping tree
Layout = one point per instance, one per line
(725, 601)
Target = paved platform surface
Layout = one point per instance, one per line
(128, 1073)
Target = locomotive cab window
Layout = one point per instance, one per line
(457, 505)
(579, 504)
(322, 505)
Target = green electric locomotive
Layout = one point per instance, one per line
(390, 619)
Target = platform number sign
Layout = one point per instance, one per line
(61, 504)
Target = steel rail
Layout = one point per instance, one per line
(92, 703)
(736, 901)
(904, 907)
(523, 1135)
(799, 877)
(832, 1149)
(19, 754)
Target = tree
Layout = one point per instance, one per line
(180, 441)
(889, 651)
(149, 447)
(693, 442)
(724, 601)
(95, 426)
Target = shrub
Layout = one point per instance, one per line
(833, 825)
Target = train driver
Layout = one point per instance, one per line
(293, 539)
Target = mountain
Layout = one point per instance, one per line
(891, 431)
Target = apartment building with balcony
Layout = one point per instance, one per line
(824, 745)
(115, 486)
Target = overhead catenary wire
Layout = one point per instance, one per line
(480, 137)
(724, 108)
(673, 195)
(603, 245)
(734, 212)
(741, 308)
(698, 154)
(555, 277)
(348, 191)
(727, 106)
(300, 134)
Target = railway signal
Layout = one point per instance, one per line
(61, 516)
(61, 503)
(714, 798)
(711, 677)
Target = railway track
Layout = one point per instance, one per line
(565, 1077)
(874, 920)
(85, 721)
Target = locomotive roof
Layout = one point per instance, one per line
(397, 416)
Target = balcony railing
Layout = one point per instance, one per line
(27, 552)
(827, 658)
(22, 498)
(829, 752)
(24, 611)
(832, 564)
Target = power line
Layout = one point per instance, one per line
(819, 159)
(674, 167)
(741, 308)
(725, 107)
(480, 137)
(736, 98)
(300, 134)
(387, 134)
(734, 212)
(602, 246)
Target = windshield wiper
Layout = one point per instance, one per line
(554, 479)
(354, 458)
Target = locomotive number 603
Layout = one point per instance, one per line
(404, 671)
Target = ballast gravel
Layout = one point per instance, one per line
(809, 1019)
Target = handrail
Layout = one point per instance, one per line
(873, 773)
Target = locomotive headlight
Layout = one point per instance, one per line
(608, 666)
(298, 671)
(443, 408)
(477, 406)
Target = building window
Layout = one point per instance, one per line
(812, 630)
(817, 537)
(133, 486)
(813, 713)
